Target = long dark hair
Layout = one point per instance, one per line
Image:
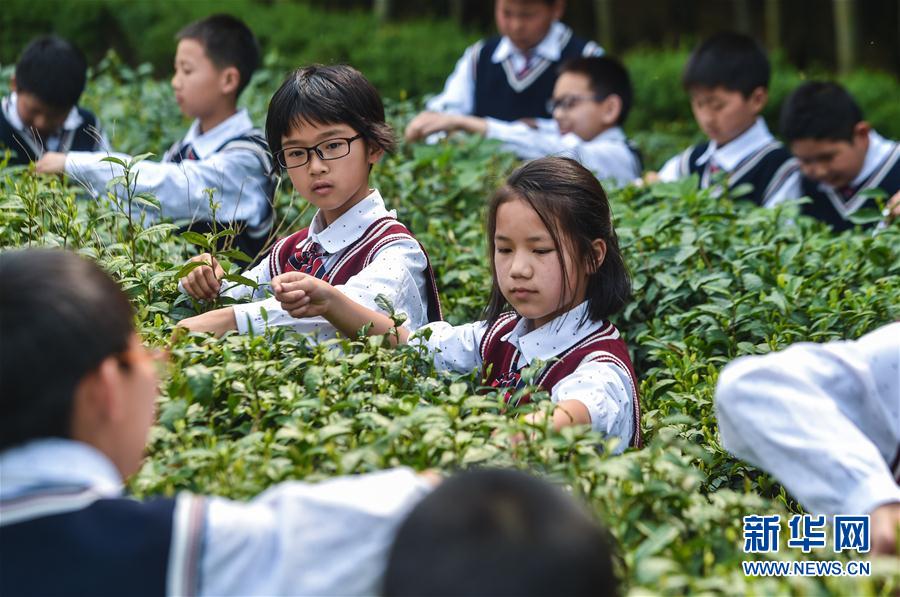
(573, 206)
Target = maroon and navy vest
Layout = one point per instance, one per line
(501, 94)
(381, 233)
(602, 346)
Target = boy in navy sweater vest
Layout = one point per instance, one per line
(41, 114)
(840, 155)
(727, 77)
(511, 76)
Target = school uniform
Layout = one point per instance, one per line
(494, 78)
(755, 157)
(880, 170)
(609, 155)
(232, 158)
(363, 253)
(80, 132)
(586, 361)
(66, 528)
(823, 419)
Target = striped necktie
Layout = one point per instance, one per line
(310, 260)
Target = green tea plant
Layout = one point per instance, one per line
(713, 279)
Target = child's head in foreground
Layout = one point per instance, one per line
(527, 22)
(214, 61)
(552, 244)
(500, 532)
(326, 127)
(824, 128)
(71, 365)
(727, 77)
(48, 80)
(591, 95)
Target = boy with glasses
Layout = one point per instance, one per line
(222, 150)
(591, 100)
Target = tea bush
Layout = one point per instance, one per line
(714, 279)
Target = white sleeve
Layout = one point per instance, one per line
(329, 538)
(671, 170)
(237, 176)
(454, 347)
(458, 96)
(824, 419)
(606, 391)
(398, 272)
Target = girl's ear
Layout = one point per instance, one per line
(599, 253)
(375, 153)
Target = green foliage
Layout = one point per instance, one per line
(714, 279)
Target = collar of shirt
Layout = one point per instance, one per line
(553, 337)
(11, 112)
(56, 461)
(348, 228)
(550, 47)
(205, 144)
(879, 148)
(736, 150)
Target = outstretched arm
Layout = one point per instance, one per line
(303, 295)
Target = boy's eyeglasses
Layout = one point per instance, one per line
(331, 149)
(570, 101)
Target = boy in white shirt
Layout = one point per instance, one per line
(591, 100)
(222, 150)
(727, 77)
(42, 113)
(510, 76)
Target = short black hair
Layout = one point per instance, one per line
(228, 42)
(52, 69)
(734, 61)
(819, 110)
(572, 204)
(60, 316)
(500, 532)
(328, 94)
(607, 76)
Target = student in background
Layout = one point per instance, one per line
(841, 156)
(327, 129)
(823, 419)
(222, 150)
(558, 275)
(591, 100)
(499, 532)
(510, 76)
(41, 114)
(727, 77)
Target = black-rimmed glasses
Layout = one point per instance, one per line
(567, 102)
(330, 149)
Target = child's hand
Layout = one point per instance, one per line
(428, 123)
(303, 295)
(885, 521)
(893, 208)
(216, 322)
(202, 283)
(52, 162)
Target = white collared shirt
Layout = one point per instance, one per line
(602, 387)
(295, 538)
(398, 271)
(823, 419)
(607, 155)
(729, 156)
(239, 177)
(38, 145)
(458, 96)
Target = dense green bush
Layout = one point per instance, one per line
(713, 280)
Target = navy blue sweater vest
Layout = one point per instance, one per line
(496, 97)
(834, 209)
(111, 547)
(84, 138)
(765, 170)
